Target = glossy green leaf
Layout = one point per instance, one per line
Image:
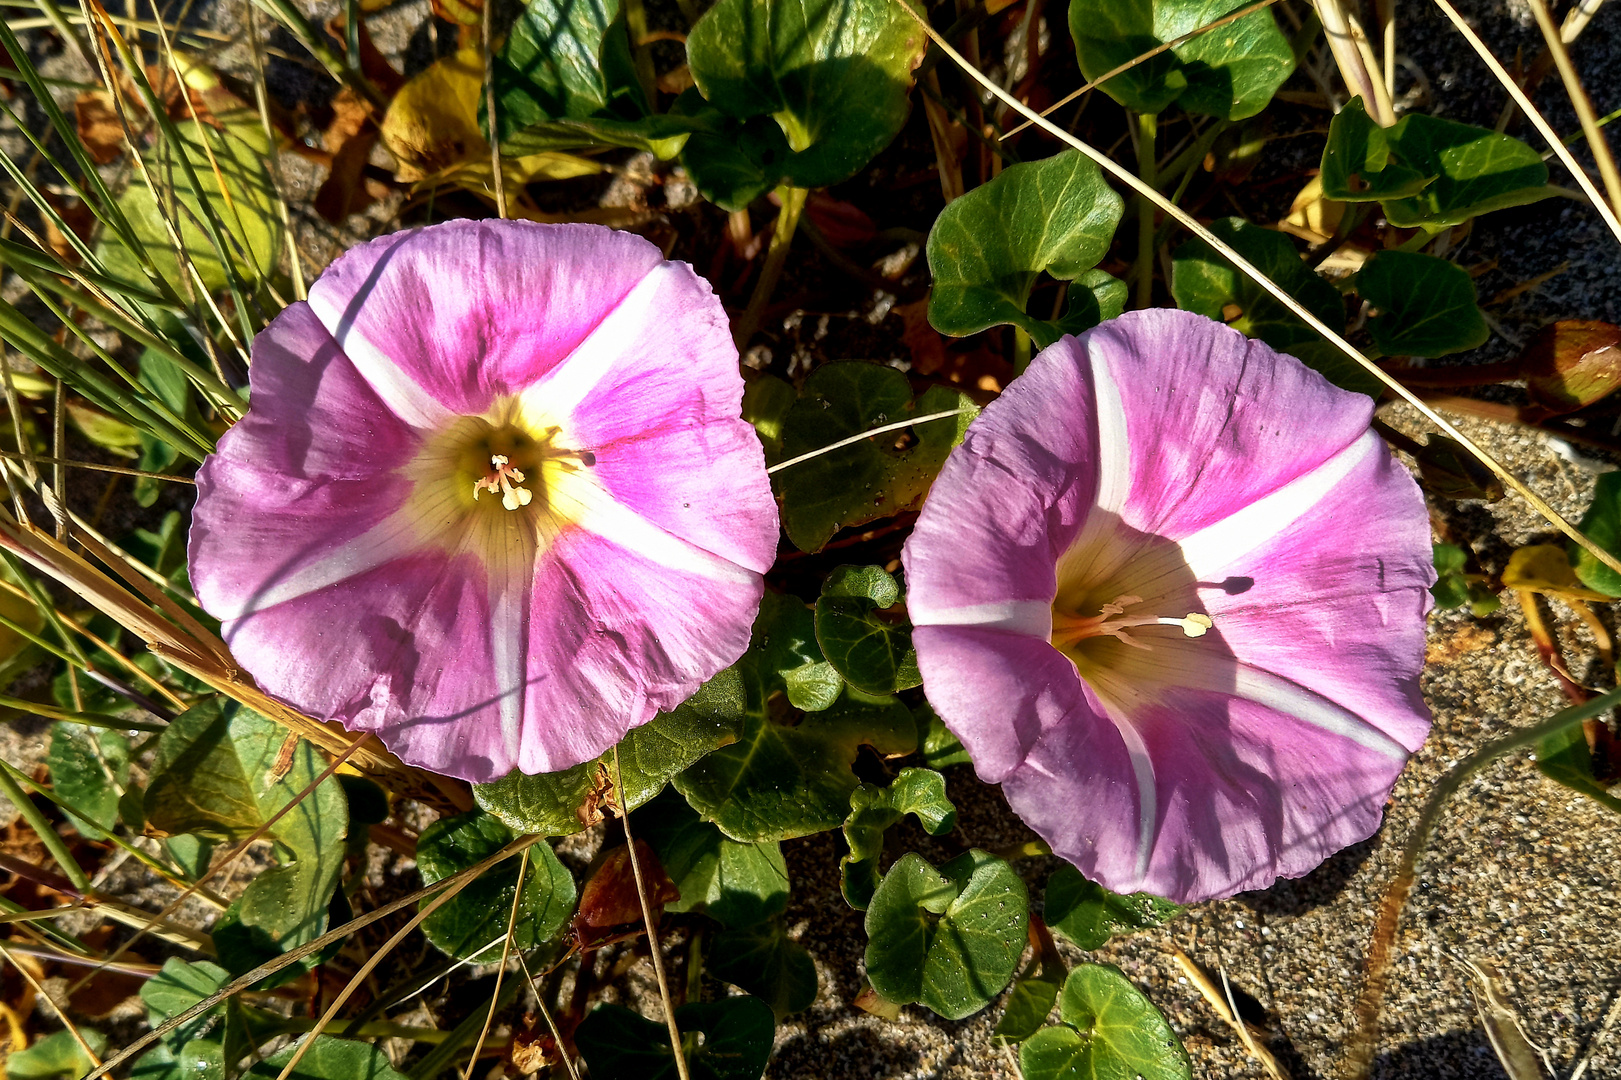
(564, 77)
(833, 74)
(329, 1059)
(779, 781)
(785, 645)
(988, 248)
(766, 401)
(873, 809)
(1110, 1032)
(221, 771)
(732, 162)
(1602, 524)
(1565, 757)
(89, 769)
(247, 205)
(1231, 72)
(1428, 172)
(1425, 306)
(1028, 1005)
(1205, 282)
(762, 960)
(56, 1057)
(872, 650)
(466, 926)
(949, 938)
(737, 885)
(563, 803)
(877, 477)
(618, 1044)
(1089, 915)
(940, 747)
(201, 1047)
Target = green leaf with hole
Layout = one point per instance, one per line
(246, 204)
(1110, 1032)
(329, 1059)
(832, 74)
(783, 779)
(90, 770)
(1231, 72)
(875, 477)
(873, 809)
(1565, 757)
(221, 771)
(1602, 524)
(735, 1043)
(762, 960)
(1424, 306)
(1204, 281)
(736, 884)
(949, 938)
(1089, 915)
(863, 633)
(563, 803)
(473, 924)
(56, 1057)
(785, 646)
(1426, 172)
(987, 249)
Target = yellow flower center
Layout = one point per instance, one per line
(1070, 629)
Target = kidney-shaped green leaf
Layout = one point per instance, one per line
(873, 809)
(949, 938)
(1425, 305)
(90, 770)
(473, 923)
(834, 74)
(986, 250)
(1110, 1032)
(1231, 72)
(871, 650)
(762, 960)
(1089, 915)
(733, 883)
(876, 477)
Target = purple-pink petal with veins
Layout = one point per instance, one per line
(1215, 419)
(467, 311)
(402, 650)
(610, 646)
(305, 472)
(660, 415)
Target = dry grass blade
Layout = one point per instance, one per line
(551, 1024)
(39, 991)
(95, 466)
(885, 429)
(506, 951)
(1559, 148)
(1222, 1002)
(1248, 269)
(456, 882)
(1522, 1059)
(1142, 59)
(1581, 102)
(652, 931)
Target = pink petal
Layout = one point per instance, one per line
(1212, 420)
(445, 319)
(309, 467)
(617, 635)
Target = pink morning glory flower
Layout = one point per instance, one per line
(1170, 594)
(493, 498)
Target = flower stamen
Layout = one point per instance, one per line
(504, 478)
(1112, 620)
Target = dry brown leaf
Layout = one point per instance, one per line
(99, 129)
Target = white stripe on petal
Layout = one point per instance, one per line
(1142, 767)
(1114, 446)
(392, 538)
(589, 506)
(404, 396)
(1219, 545)
(1292, 699)
(507, 638)
(560, 392)
(1033, 618)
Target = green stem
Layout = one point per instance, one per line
(782, 237)
(1021, 351)
(1360, 1056)
(47, 835)
(1147, 168)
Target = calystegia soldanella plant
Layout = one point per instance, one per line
(834, 539)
